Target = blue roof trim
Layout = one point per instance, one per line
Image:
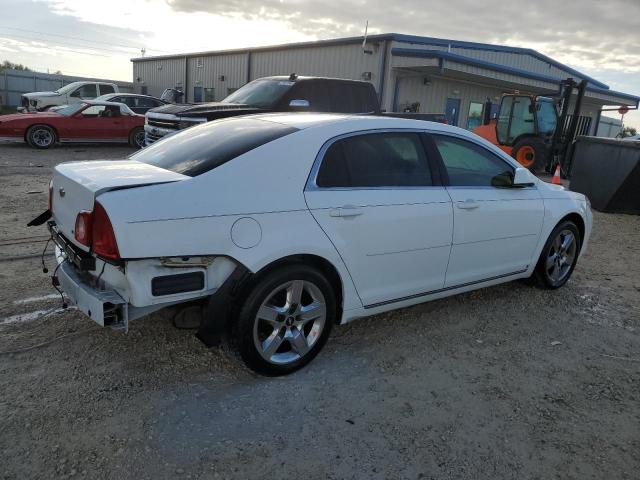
(495, 48)
(418, 40)
(409, 52)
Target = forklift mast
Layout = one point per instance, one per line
(561, 150)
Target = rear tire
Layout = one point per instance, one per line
(136, 138)
(559, 256)
(284, 321)
(41, 136)
(531, 153)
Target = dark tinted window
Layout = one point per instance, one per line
(315, 92)
(104, 88)
(469, 164)
(375, 160)
(199, 149)
(350, 97)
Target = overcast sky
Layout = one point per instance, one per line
(97, 38)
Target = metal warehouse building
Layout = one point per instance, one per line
(449, 76)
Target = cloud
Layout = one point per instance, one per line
(591, 33)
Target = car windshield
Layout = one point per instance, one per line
(547, 118)
(67, 88)
(72, 109)
(198, 149)
(260, 93)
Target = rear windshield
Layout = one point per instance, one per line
(199, 149)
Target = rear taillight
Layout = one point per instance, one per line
(83, 228)
(51, 195)
(103, 239)
(94, 230)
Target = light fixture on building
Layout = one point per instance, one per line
(221, 78)
(456, 92)
(366, 75)
(160, 67)
(426, 81)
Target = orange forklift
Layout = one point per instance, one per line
(533, 129)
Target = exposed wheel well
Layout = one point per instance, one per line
(579, 221)
(322, 264)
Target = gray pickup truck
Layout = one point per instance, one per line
(275, 94)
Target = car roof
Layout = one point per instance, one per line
(301, 120)
(116, 94)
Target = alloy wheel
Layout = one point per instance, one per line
(561, 255)
(42, 137)
(289, 322)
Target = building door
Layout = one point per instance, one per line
(452, 111)
(197, 94)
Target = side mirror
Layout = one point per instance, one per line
(521, 178)
(299, 103)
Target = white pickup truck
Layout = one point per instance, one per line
(73, 93)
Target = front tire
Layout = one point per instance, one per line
(559, 256)
(285, 320)
(136, 138)
(41, 136)
(530, 153)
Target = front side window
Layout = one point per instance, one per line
(387, 159)
(202, 148)
(468, 164)
(547, 116)
(86, 91)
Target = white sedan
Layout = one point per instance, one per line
(274, 227)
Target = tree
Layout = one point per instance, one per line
(629, 132)
(7, 65)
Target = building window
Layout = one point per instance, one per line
(209, 95)
(474, 120)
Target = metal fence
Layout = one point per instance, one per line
(13, 83)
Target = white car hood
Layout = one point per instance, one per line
(41, 94)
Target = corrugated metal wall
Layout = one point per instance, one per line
(206, 72)
(157, 75)
(13, 83)
(433, 97)
(342, 61)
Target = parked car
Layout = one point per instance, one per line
(139, 104)
(278, 226)
(86, 122)
(69, 94)
(276, 94)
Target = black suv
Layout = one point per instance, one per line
(268, 94)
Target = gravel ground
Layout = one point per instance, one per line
(506, 382)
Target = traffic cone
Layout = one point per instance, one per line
(556, 176)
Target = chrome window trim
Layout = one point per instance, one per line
(311, 184)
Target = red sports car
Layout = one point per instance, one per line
(85, 122)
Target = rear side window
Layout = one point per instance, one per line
(199, 149)
(375, 160)
(468, 164)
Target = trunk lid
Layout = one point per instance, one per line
(77, 184)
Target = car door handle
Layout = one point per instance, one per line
(346, 211)
(468, 204)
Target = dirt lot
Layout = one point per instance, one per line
(507, 382)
